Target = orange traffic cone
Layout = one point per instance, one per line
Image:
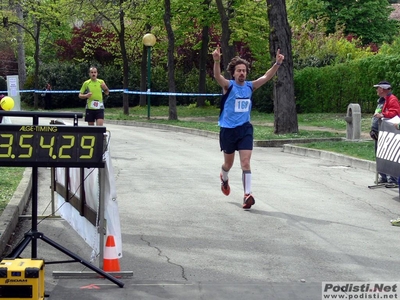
(111, 260)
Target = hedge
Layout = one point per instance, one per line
(331, 89)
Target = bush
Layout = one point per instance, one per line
(332, 88)
(65, 77)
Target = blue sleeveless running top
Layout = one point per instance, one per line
(236, 105)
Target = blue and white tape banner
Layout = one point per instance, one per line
(120, 91)
(168, 94)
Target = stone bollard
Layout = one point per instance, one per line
(353, 119)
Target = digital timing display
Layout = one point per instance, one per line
(51, 146)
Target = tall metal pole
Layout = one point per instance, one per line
(102, 220)
(148, 80)
(35, 199)
(149, 40)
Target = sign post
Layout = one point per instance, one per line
(13, 90)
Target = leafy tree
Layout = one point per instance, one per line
(366, 19)
(114, 17)
(313, 48)
(83, 45)
(251, 39)
(300, 12)
(390, 49)
(41, 17)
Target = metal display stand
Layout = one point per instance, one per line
(34, 234)
(102, 227)
(380, 185)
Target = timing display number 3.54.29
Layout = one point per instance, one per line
(51, 146)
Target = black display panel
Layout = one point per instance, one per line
(51, 146)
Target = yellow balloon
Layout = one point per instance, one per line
(7, 103)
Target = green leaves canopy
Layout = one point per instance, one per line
(366, 19)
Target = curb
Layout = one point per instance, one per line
(280, 143)
(10, 216)
(331, 156)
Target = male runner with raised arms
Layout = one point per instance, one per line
(236, 131)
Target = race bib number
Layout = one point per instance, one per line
(96, 105)
(242, 105)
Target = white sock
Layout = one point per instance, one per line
(224, 174)
(246, 178)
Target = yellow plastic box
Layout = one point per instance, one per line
(22, 279)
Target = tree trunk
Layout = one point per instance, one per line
(171, 66)
(205, 39)
(36, 59)
(21, 49)
(203, 65)
(228, 51)
(280, 38)
(125, 63)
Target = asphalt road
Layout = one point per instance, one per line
(314, 221)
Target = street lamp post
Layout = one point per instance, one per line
(149, 40)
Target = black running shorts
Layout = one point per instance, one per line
(94, 114)
(235, 139)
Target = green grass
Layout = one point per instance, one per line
(314, 126)
(362, 149)
(10, 178)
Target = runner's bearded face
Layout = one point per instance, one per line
(240, 73)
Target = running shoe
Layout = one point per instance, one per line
(248, 201)
(382, 180)
(225, 188)
(395, 222)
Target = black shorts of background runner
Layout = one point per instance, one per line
(94, 114)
